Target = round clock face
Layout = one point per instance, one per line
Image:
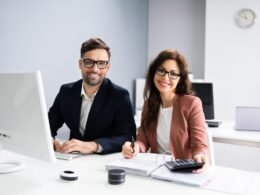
(245, 18)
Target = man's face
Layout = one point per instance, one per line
(93, 76)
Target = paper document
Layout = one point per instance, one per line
(215, 178)
(232, 181)
(141, 164)
(196, 179)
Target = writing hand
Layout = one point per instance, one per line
(128, 151)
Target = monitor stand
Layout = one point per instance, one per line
(10, 166)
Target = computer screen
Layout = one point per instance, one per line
(24, 126)
(204, 91)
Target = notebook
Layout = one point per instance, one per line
(141, 164)
(195, 179)
(247, 118)
(215, 178)
(153, 165)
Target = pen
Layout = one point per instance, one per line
(133, 144)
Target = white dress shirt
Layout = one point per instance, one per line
(85, 108)
(163, 129)
(84, 112)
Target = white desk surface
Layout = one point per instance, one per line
(226, 133)
(43, 178)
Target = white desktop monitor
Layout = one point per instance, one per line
(24, 126)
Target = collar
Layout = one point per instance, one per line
(83, 93)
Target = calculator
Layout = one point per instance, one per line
(183, 165)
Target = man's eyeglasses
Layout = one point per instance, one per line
(88, 63)
(171, 74)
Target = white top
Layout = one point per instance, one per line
(163, 129)
(85, 108)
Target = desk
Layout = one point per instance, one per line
(42, 178)
(234, 148)
(226, 133)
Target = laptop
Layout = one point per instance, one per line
(247, 118)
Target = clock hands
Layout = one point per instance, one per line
(243, 15)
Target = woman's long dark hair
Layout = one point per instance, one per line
(152, 98)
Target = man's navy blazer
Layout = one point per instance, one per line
(110, 121)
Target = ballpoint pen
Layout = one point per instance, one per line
(133, 144)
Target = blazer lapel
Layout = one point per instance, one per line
(76, 108)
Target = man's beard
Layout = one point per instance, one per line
(92, 82)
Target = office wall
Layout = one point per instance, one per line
(47, 36)
(178, 24)
(232, 56)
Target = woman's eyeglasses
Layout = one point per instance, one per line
(171, 74)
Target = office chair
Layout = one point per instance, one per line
(211, 148)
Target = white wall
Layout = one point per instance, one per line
(232, 60)
(178, 24)
(47, 35)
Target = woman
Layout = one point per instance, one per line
(172, 118)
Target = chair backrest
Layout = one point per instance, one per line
(211, 148)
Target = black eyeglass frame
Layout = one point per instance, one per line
(171, 74)
(101, 64)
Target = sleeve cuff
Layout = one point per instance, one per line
(100, 148)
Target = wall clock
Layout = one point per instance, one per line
(245, 18)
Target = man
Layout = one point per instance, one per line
(98, 113)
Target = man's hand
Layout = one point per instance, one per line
(57, 145)
(75, 145)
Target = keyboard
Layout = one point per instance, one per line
(67, 156)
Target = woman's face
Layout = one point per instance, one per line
(167, 83)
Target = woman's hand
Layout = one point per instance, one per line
(201, 158)
(128, 151)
